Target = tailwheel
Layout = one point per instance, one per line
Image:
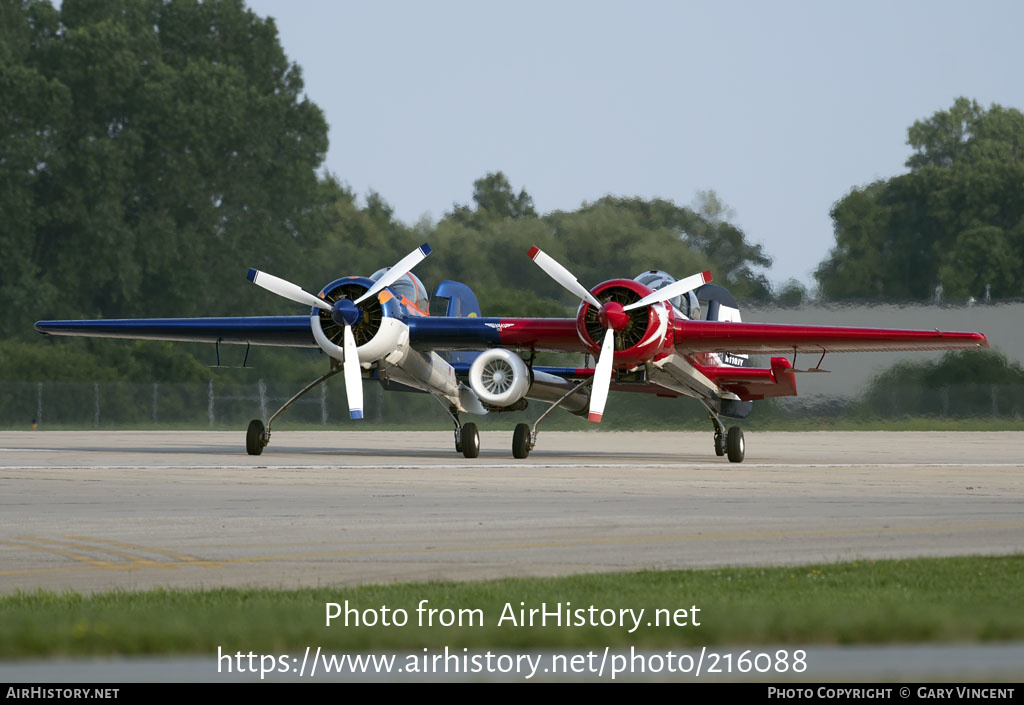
(470, 440)
(734, 444)
(521, 441)
(256, 438)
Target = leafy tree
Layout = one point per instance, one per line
(150, 148)
(720, 245)
(955, 219)
(379, 209)
(792, 294)
(612, 238)
(494, 199)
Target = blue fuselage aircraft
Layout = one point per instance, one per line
(652, 334)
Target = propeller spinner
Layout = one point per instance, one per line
(345, 313)
(613, 316)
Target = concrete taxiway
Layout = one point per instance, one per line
(97, 510)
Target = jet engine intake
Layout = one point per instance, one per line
(499, 377)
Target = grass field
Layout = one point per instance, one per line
(969, 599)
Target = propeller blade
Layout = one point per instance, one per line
(671, 291)
(398, 271)
(563, 276)
(602, 377)
(290, 291)
(353, 376)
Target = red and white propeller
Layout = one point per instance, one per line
(345, 313)
(613, 316)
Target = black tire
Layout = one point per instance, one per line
(719, 444)
(734, 445)
(470, 440)
(521, 441)
(254, 440)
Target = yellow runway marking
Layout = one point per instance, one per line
(67, 554)
(614, 541)
(180, 557)
(672, 538)
(133, 560)
(40, 571)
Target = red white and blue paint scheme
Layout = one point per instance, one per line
(651, 334)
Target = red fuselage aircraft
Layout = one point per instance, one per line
(651, 334)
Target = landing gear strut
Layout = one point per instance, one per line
(257, 436)
(726, 442)
(467, 436)
(719, 443)
(524, 439)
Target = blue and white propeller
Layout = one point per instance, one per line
(345, 313)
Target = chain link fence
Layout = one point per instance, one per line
(214, 404)
(220, 404)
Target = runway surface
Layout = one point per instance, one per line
(96, 510)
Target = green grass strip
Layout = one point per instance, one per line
(968, 599)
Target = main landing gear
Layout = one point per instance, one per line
(727, 442)
(522, 441)
(467, 436)
(257, 437)
(524, 438)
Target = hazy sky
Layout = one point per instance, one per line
(779, 107)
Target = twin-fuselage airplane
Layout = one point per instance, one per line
(650, 334)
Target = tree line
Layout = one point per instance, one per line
(951, 227)
(152, 150)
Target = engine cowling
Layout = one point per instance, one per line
(499, 377)
(377, 333)
(647, 333)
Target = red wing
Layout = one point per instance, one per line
(719, 336)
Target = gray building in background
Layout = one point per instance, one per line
(1003, 323)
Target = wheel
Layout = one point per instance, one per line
(254, 438)
(719, 444)
(734, 444)
(521, 441)
(470, 440)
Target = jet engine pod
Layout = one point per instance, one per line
(499, 377)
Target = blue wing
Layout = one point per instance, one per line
(287, 331)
